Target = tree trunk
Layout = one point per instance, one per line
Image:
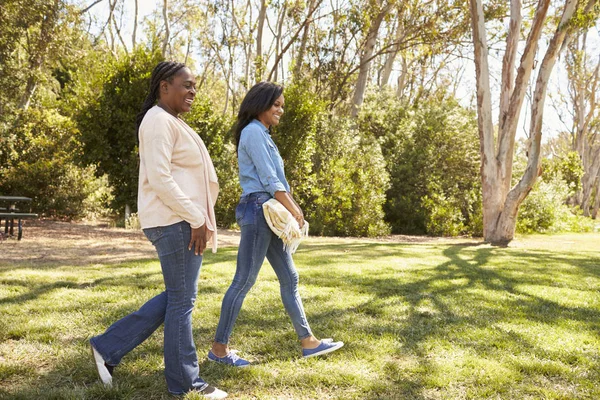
(293, 39)
(278, 38)
(588, 181)
(167, 28)
(501, 205)
(118, 30)
(366, 58)
(597, 199)
(391, 57)
(135, 24)
(583, 85)
(38, 56)
(299, 60)
(259, 62)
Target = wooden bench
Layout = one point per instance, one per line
(10, 213)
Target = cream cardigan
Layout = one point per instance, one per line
(177, 180)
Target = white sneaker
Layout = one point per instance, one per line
(104, 370)
(211, 392)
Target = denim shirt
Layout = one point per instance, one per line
(261, 165)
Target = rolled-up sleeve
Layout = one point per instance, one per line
(257, 147)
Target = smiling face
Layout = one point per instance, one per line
(272, 115)
(177, 96)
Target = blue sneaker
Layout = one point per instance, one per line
(326, 346)
(230, 359)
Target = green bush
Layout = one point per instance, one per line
(432, 157)
(567, 166)
(39, 163)
(351, 181)
(544, 209)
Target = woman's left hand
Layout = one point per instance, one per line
(300, 219)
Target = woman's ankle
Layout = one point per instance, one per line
(310, 342)
(220, 349)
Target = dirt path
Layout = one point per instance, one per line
(47, 243)
(52, 243)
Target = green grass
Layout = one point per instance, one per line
(420, 321)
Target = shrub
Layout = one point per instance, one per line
(432, 157)
(544, 209)
(350, 183)
(39, 163)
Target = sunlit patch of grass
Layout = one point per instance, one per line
(420, 321)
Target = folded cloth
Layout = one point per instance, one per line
(284, 225)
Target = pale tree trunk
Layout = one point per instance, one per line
(279, 55)
(135, 24)
(278, 37)
(583, 90)
(118, 30)
(366, 58)
(597, 198)
(38, 55)
(402, 79)
(299, 60)
(588, 181)
(243, 35)
(391, 57)
(167, 28)
(188, 49)
(500, 203)
(259, 62)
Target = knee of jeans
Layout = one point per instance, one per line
(292, 280)
(243, 285)
(183, 302)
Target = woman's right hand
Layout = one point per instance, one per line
(200, 236)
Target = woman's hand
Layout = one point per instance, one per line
(200, 236)
(300, 219)
(288, 202)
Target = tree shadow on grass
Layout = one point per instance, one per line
(72, 374)
(492, 295)
(470, 290)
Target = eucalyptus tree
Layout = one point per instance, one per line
(583, 71)
(497, 144)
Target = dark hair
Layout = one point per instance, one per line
(259, 98)
(164, 71)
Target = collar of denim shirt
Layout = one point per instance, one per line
(261, 125)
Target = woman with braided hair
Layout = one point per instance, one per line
(177, 191)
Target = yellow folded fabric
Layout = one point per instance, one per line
(284, 225)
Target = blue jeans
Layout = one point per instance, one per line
(257, 242)
(180, 268)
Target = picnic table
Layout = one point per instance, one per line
(9, 213)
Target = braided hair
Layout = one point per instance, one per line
(164, 71)
(259, 98)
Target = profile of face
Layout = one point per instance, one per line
(178, 95)
(272, 115)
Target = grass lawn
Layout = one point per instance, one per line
(432, 320)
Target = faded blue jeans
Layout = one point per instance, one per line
(257, 242)
(180, 268)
